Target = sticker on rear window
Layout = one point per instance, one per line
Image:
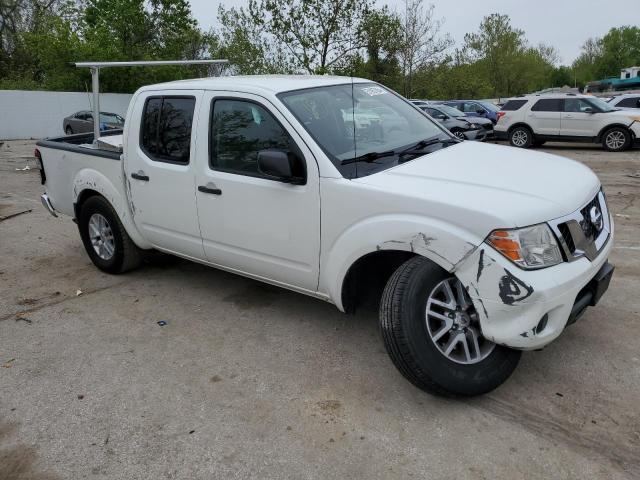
(372, 91)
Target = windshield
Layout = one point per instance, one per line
(110, 118)
(601, 105)
(490, 106)
(362, 127)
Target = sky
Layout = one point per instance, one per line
(565, 24)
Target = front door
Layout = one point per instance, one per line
(576, 121)
(160, 170)
(251, 223)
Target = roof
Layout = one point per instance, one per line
(256, 83)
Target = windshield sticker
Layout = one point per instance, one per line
(373, 91)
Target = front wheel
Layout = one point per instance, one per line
(459, 134)
(616, 139)
(432, 333)
(104, 237)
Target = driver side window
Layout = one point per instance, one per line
(239, 130)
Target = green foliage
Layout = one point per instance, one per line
(605, 57)
(40, 38)
(105, 30)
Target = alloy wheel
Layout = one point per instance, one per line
(453, 324)
(519, 138)
(101, 236)
(615, 140)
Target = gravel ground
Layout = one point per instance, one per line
(250, 381)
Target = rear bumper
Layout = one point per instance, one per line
(46, 203)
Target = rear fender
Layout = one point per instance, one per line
(89, 179)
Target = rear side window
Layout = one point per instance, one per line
(239, 130)
(165, 134)
(512, 105)
(548, 105)
(631, 102)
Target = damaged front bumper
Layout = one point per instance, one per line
(528, 309)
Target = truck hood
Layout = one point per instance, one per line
(481, 187)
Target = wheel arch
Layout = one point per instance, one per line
(89, 183)
(385, 240)
(520, 124)
(606, 128)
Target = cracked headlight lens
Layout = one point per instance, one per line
(529, 248)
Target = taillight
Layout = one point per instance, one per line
(500, 115)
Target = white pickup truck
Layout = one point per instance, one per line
(473, 252)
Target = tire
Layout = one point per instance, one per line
(68, 130)
(616, 139)
(404, 328)
(521, 137)
(459, 134)
(123, 254)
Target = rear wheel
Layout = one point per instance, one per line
(432, 333)
(616, 139)
(105, 239)
(521, 137)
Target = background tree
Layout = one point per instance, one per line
(422, 46)
(317, 34)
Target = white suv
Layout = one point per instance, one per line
(534, 119)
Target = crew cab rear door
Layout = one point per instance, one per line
(160, 170)
(251, 223)
(544, 116)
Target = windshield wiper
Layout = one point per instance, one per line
(422, 144)
(368, 157)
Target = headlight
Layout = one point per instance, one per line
(473, 125)
(529, 248)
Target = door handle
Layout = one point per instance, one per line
(212, 190)
(568, 116)
(140, 176)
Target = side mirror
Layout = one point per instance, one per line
(282, 166)
(441, 116)
(480, 111)
(589, 110)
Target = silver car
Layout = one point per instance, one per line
(82, 121)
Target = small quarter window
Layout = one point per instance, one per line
(513, 105)
(166, 128)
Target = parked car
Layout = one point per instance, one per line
(474, 251)
(81, 122)
(627, 100)
(475, 108)
(465, 128)
(534, 119)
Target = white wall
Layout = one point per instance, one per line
(34, 114)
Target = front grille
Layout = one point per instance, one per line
(589, 229)
(566, 236)
(584, 232)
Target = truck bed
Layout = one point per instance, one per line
(69, 162)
